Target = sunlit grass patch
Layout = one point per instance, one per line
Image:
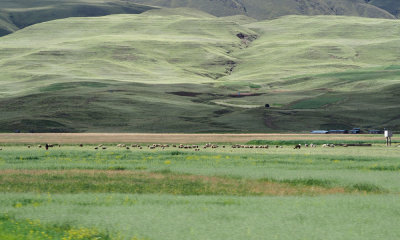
(13, 229)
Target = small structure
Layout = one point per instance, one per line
(374, 131)
(388, 136)
(355, 131)
(319, 132)
(338, 131)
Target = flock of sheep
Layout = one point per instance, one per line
(195, 147)
(182, 146)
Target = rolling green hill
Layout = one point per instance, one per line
(20, 13)
(187, 71)
(17, 14)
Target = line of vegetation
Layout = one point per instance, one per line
(312, 182)
(161, 182)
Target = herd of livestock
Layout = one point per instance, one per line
(182, 146)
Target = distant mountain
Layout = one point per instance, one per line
(392, 6)
(17, 14)
(268, 9)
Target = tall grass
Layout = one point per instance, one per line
(196, 217)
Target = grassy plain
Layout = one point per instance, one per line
(69, 192)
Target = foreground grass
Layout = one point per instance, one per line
(80, 193)
(214, 217)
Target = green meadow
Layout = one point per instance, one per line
(74, 192)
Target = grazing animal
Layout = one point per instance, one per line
(39, 146)
(80, 145)
(29, 146)
(47, 146)
(96, 148)
(298, 146)
(103, 147)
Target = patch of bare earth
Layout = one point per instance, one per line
(148, 182)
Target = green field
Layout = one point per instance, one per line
(184, 70)
(74, 192)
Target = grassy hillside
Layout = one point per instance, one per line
(333, 72)
(268, 9)
(392, 6)
(262, 9)
(6, 27)
(20, 13)
(187, 71)
(117, 73)
(17, 14)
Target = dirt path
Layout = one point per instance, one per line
(167, 138)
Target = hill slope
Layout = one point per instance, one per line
(268, 9)
(392, 6)
(187, 71)
(20, 13)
